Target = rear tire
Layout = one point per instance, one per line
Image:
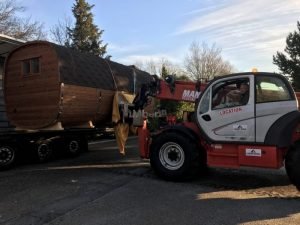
(292, 164)
(7, 156)
(44, 151)
(174, 157)
(75, 145)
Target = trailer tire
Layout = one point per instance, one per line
(7, 156)
(44, 151)
(292, 164)
(174, 156)
(75, 145)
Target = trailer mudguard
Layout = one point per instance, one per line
(280, 133)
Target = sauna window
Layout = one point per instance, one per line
(31, 66)
(35, 64)
(26, 67)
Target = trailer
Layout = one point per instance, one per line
(56, 97)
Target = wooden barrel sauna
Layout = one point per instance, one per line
(46, 85)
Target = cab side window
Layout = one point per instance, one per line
(271, 89)
(204, 105)
(230, 93)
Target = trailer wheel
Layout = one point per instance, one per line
(174, 157)
(292, 164)
(7, 156)
(74, 146)
(44, 151)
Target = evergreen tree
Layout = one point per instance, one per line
(85, 36)
(290, 65)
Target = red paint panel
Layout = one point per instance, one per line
(234, 156)
(223, 155)
(185, 91)
(260, 156)
(144, 141)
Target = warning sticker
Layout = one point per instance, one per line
(253, 152)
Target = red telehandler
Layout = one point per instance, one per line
(259, 127)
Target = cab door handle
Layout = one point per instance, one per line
(206, 117)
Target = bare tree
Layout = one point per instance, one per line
(59, 32)
(204, 62)
(150, 66)
(139, 64)
(169, 66)
(12, 25)
(155, 67)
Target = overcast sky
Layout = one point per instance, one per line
(249, 32)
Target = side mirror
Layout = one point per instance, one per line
(170, 79)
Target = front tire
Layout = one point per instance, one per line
(292, 164)
(174, 157)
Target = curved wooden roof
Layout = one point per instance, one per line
(88, 70)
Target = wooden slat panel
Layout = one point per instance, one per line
(32, 101)
(81, 104)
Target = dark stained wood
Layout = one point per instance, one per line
(84, 104)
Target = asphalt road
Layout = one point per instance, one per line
(103, 187)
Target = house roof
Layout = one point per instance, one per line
(8, 43)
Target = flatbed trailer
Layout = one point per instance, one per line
(42, 145)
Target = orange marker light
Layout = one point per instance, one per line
(254, 70)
